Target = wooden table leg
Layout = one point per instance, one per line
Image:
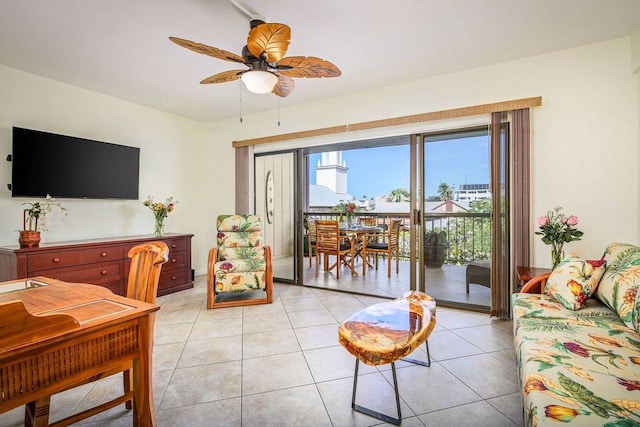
(144, 414)
(36, 414)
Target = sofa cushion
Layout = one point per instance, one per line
(576, 367)
(573, 282)
(618, 288)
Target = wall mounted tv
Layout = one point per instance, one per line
(68, 167)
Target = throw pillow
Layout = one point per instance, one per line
(618, 288)
(573, 281)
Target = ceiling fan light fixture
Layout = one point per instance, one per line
(258, 81)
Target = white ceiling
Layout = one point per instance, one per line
(121, 47)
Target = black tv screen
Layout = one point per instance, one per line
(69, 167)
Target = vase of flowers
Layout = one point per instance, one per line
(557, 229)
(348, 210)
(34, 220)
(160, 212)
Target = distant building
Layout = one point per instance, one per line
(331, 172)
(471, 192)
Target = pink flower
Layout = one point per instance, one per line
(572, 220)
(543, 220)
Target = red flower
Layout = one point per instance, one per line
(576, 349)
(630, 385)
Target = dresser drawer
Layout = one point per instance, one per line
(72, 257)
(170, 279)
(95, 274)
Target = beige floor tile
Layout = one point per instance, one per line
(298, 406)
(227, 412)
(166, 356)
(213, 350)
(431, 389)
(477, 414)
(171, 333)
(330, 363)
(202, 384)
(225, 327)
(484, 374)
(447, 345)
(269, 343)
(301, 304)
(265, 322)
(275, 372)
(486, 338)
(303, 319)
(317, 336)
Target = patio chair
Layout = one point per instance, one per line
(329, 241)
(312, 238)
(386, 243)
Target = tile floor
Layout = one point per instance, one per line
(281, 365)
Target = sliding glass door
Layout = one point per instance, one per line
(275, 192)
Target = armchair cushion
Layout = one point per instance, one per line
(240, 281)
(252, 253)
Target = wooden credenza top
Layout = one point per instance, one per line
(70, 244)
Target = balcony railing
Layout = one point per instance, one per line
(468, 235)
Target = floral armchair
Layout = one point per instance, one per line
(239, 264)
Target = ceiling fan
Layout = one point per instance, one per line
(268, 70)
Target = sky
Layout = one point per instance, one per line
(375, 172)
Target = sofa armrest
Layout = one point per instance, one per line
(536, 285)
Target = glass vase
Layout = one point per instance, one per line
(556, 254)
(159, 229)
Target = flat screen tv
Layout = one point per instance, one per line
(69, 167)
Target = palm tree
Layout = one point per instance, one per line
(445, 192)
(398, 195)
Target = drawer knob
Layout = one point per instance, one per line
(103, 254)
(173, 277)
(173, 246)
(103, 272)
(173, 260)
(56, 260)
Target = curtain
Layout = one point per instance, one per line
(500, 253)
(521, 236)
(510, 186)
(244, 180)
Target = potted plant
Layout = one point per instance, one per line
(435, 248)
(34, 220)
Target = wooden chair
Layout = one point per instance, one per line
(240, 263)
(329, 241)
(144, 273)
(312, 238)
(387, 243)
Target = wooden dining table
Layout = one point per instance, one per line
(56, 335)
(359, 233)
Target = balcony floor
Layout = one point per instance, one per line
(445, 284)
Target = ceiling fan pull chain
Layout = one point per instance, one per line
(240, 87)
(278, 112)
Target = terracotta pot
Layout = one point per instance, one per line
(29, 238)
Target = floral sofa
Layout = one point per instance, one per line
(577, 342)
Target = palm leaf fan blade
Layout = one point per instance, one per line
(307, 66)
(270, 40)
(284, 86)
(203, 49)
(224, 77)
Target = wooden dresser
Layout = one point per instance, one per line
(101, 262)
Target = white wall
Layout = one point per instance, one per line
(585, 136)
(169, 161)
